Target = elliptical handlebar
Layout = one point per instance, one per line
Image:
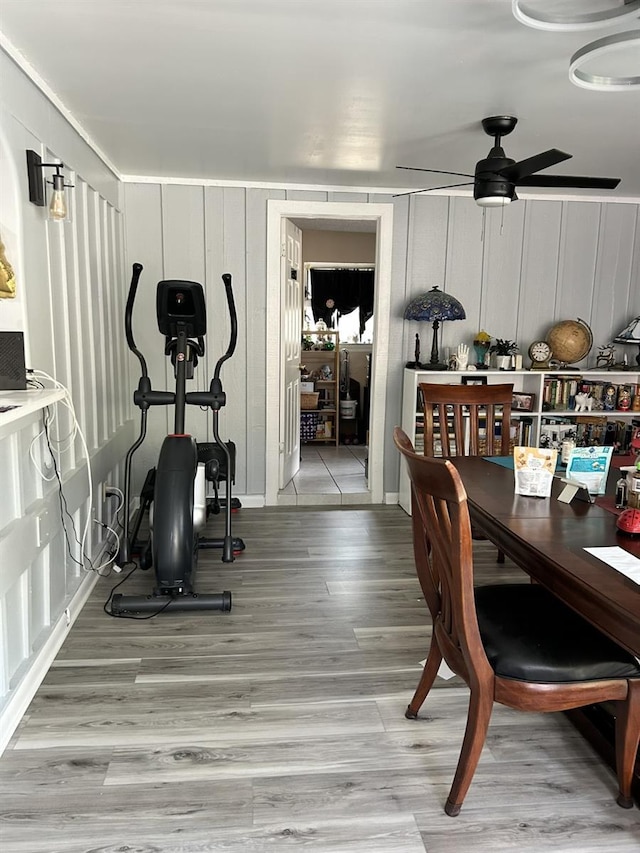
(226, 278)
(128, 313)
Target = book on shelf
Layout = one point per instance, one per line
(559, 394)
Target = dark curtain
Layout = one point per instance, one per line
(348, 289)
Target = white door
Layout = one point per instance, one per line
(291, 332)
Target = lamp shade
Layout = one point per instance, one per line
(434, 305)
(630, 334)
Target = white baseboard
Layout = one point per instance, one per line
(18, 701)
(253, 501)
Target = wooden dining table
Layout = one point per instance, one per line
(547, 538)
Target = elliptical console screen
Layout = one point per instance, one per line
(181, 304)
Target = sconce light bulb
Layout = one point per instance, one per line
(58, 205)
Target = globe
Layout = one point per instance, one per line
(570, 341)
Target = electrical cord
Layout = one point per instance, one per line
(60, 446)
(107, 606)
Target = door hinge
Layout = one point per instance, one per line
(283, 251)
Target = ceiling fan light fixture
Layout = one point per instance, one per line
(493, 200)
(528, 14)
(605, 47)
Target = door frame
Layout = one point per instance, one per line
(382, 215)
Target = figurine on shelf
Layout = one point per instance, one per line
(605, 357)
(584, 402)
(462, 357)
(415, 365)
(609, 402)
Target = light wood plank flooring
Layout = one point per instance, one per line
(280, 726)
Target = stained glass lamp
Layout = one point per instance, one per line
(434, 307)
(630, 335)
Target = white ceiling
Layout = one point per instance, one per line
(331, 92)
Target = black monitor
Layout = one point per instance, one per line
(181, 303)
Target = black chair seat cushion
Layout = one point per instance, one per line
(530, 635)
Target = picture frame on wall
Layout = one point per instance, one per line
(521, 402)
(474, 380)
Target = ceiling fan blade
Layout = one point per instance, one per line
(575, 181)
(435, 171)
(523, 168)
(429, 189)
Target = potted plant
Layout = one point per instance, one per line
(502, 350)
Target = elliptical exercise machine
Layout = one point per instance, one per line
(174, 492)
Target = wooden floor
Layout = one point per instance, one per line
(280, 726)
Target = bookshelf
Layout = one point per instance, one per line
(554, 409)
(321, 424)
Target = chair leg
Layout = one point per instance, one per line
(480, 707)
(500, 557)
(431, 666)
(627, 738)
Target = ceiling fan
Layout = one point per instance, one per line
(497, 176)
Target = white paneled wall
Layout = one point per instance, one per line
(515, 271)
(70, 278)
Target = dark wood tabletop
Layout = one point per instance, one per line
(547, 538)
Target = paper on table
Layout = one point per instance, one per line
(620, 560)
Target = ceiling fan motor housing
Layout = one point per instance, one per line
(488, 184)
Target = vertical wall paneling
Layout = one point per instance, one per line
(61, 427)
(67, 312)
(306, 195)
(358, 198)
(183, 255)
(225, 215)
(88, 351)
(578, 253)
(426, 261)
(613, 271)
(633, 308)
(115, 321)
(233, 418)
(98, 317)
(539, 271)
(464, 269)
(144, 239)
(79, 379)
(501, 265)
(108, 319)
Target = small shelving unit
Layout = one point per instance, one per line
(553, 410)
(321, 425)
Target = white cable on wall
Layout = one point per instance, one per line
(64, 445)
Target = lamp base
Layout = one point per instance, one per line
(413, 365)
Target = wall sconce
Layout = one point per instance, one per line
(58, 205)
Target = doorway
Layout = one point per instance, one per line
(382, 216)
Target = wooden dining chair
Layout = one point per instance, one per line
(467, 420)
(516, 644)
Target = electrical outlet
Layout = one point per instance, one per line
(108, 492)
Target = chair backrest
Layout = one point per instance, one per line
(477, 418)
(444, 558)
